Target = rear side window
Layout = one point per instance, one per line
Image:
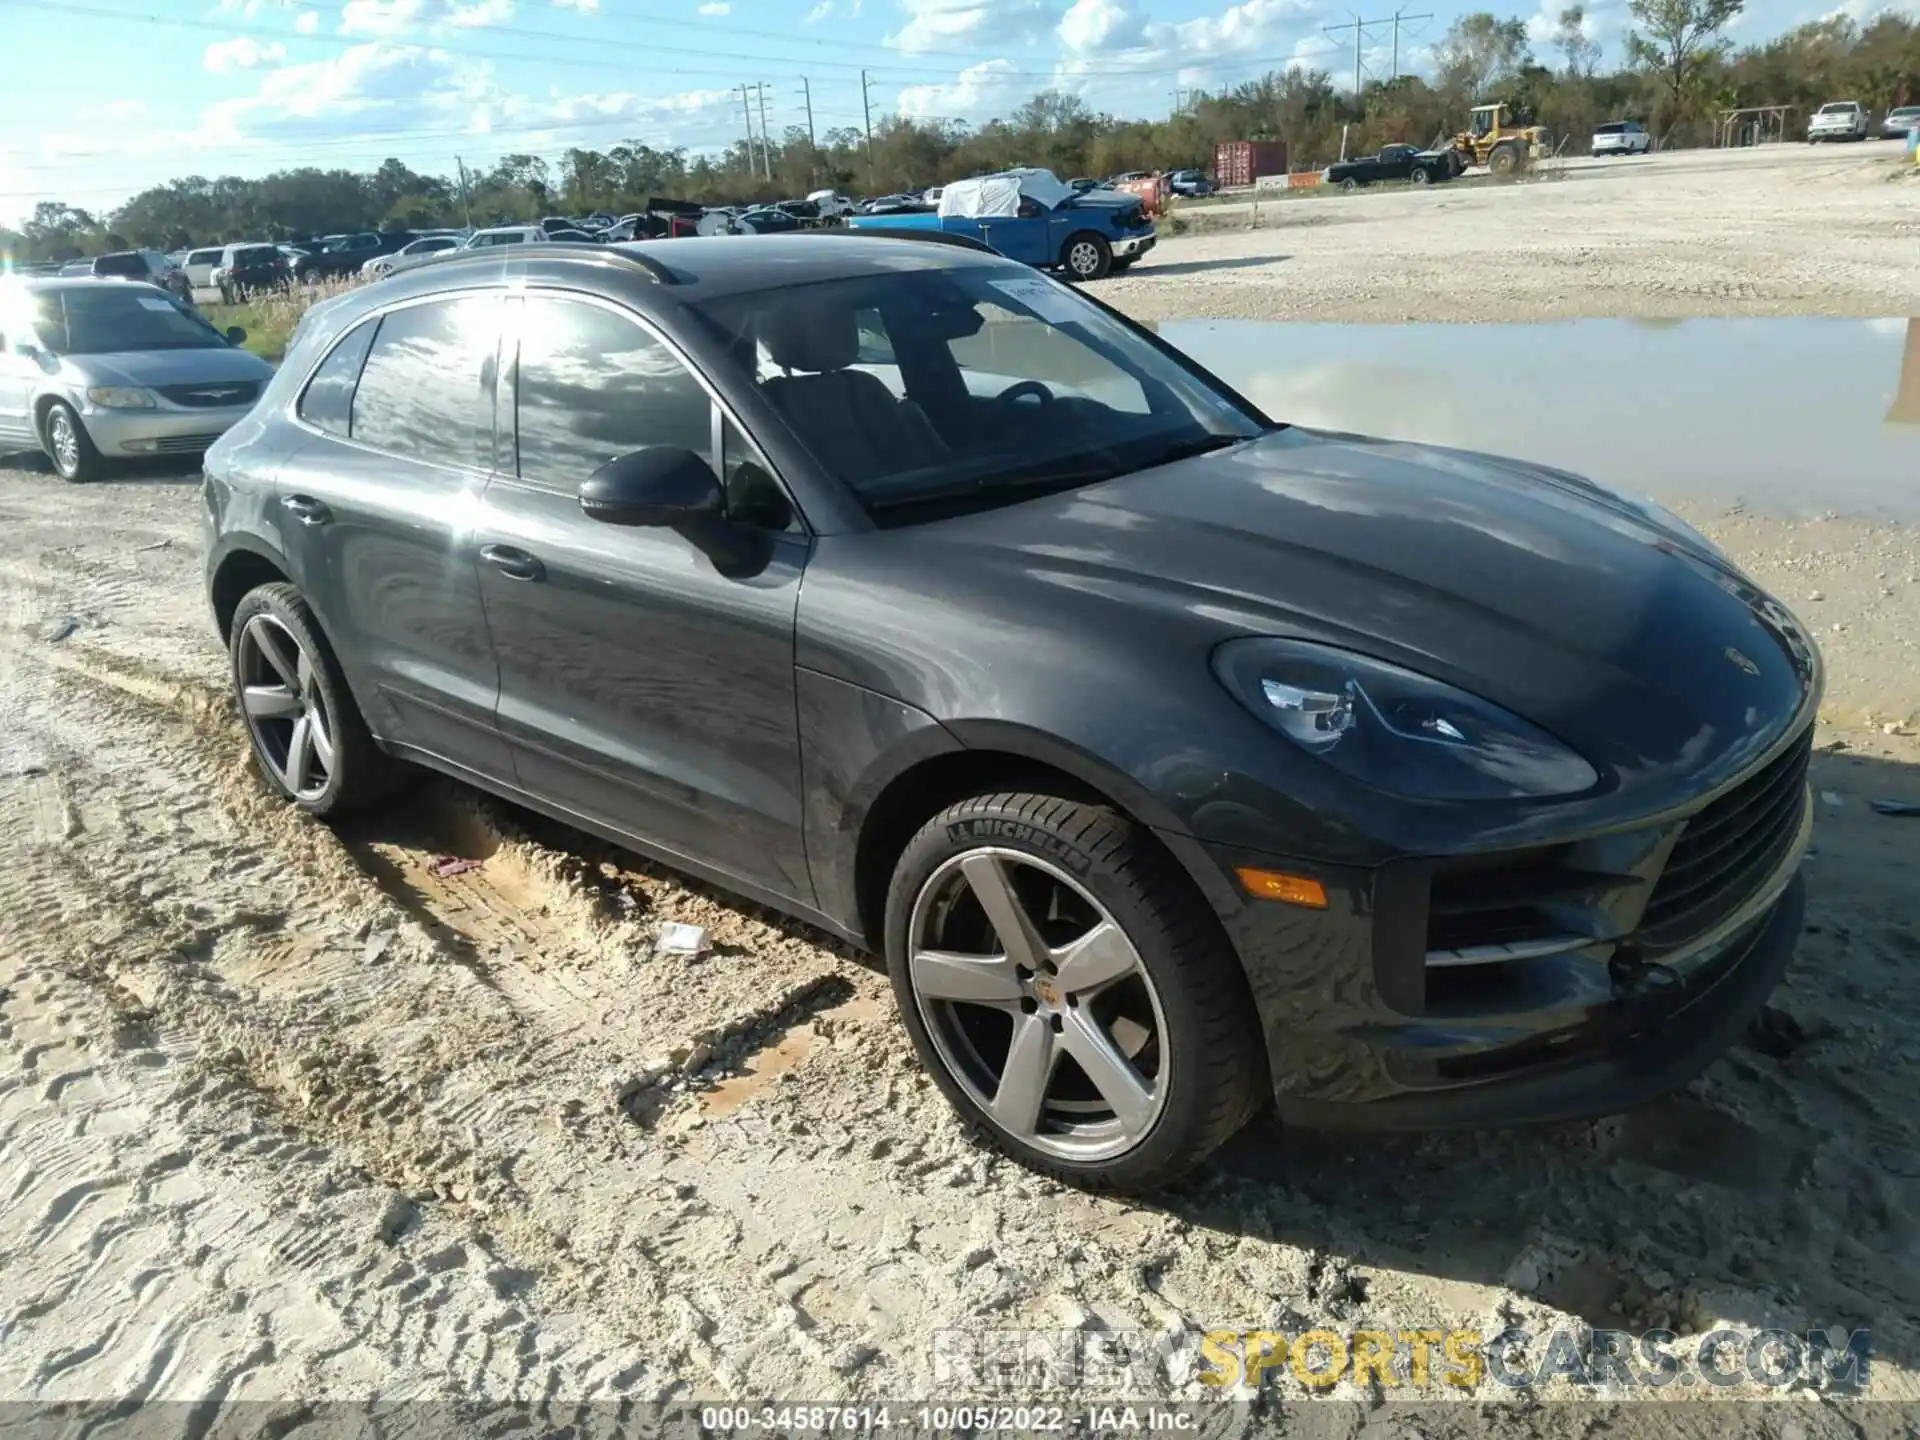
(328, 402)
(426, 391)
(594, 385)
(204, 257)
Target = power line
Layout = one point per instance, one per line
(68, 10)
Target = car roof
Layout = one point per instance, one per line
(43, 284)
(670, 272)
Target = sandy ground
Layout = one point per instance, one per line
(1780, 230)
(286, 1117)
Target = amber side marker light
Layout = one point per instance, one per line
(1278, 885)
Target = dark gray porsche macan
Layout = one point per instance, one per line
(1175, 758)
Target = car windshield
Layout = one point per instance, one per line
(113, 319)
(936, 392)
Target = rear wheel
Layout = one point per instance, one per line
(1504, 161)
(307, 733)
(1086, 256)
(1069, 991)
(68, 445)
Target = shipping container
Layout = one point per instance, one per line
(1241, 162)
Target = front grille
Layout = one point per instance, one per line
(211, 394)
(1728, 849)
(1491, 919)
(183, 444)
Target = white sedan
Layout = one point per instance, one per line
(426, 245)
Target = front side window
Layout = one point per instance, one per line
(426, 391)
(933, 391)
(328, 401)
(593, 385)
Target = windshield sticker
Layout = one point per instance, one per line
(163, 306)
(1040, 295)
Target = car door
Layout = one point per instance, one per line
(646, 674)
(1023, 237)
(19, 373)
(377, 515)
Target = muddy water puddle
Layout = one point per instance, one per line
(1792, 417)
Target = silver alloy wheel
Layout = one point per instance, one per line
(65, 440)
(1038, 1004)
(284, 706)
(1083, 258)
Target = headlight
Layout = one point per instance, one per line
(1394, 729)
(121, 397)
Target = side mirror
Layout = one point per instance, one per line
(235, 335)
(661, 485)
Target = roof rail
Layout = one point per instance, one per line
(652, 264)
(931, 237)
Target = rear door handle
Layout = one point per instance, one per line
(512, 561)
(307, 510)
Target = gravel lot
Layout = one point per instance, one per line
(286, 1116)
(1779, 230)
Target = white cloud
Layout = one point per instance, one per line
(990, 88)
(585, 6)
(818, 13)
(308, 22)
(243, 52)
(402, 17)
(250, 8)
(1098, 38)
(945, 24)
(716, 7)
(366, 89)
(1090, 26)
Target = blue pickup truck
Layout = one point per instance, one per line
(1029, 215)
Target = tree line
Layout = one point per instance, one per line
(1676, 73)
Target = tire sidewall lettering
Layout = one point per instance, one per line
(993, 830)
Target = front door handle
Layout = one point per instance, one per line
(307, 510)
(513, 562)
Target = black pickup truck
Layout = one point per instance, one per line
(1394, 162)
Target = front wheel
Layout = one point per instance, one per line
(307, 732)
(1349, 185)
(65, 439)
(1422, 177)
(1069, 991)
(1087, 257)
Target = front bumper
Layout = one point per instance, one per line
(1132, 246)
(1832, 132)
(1661, 941)
(160, 431)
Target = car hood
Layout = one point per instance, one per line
(1530, 587)
(213, 366)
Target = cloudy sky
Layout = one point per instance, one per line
(245, 86)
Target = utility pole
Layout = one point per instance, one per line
(466, 207)
(1399, 16)
(1360, 28)
(746, 107)
(766, 135)
(807, 90)
(866, 108)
